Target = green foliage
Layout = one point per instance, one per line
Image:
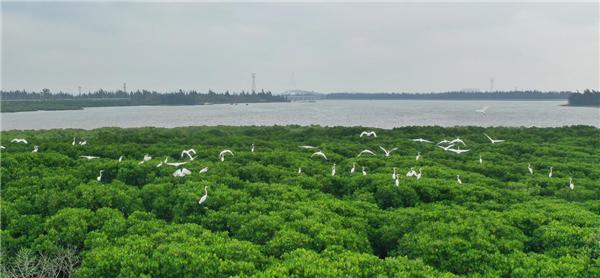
(264, 219)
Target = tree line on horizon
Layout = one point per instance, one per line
(588, 98)
(457, 95)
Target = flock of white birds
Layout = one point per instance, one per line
(190, 154)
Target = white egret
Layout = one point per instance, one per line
(2, 147)
(418, 156)
(73, 143)
(368, 134)
(35, 149)
(411, 172)
(457, 140)
(147, 157)
(480, 160)
(88, 157)
(120, 158)
(458, 151)
(19, 140)
(188, 153)
(482, 110)
(181, 172)
(421, 140)
(363, 171)
(529, 168)
(366, 152)
(319, 153)
(252, 149)
(394, 174)
(387, 153)
(492, 140)
(203, 170)
(204, 197)
(418, 175)
(307, 147)
(83, 143)
(299, 170)
(458, 179)
(571, 184)
(333, 170)
(99, 178)
(177, 164)
(397, 181)
(353, 168)
(223, 153)
(550, 173)
(443, 142)
(447, 147)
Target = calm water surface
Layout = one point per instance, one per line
(382, 114)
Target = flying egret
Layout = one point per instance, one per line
(480, 160)
(88, 157)
(307, 147)
(458, 151)
(418, 175)
(368, 134)
(319, 153)
(421, 140)
(458, 179)
(411, 172)
(223, 153)
(529, 168)
(387, 153)
(177, 164)
(188, 153)
(203, 170)
(457, 140)
(19, 140)
(482, 110)
(363, 171)
(147, 157)
(252, 149)
(418, 156)
(120, 158)
(204, 197)
(443, 142)
(333, 170)
(181, 172)
(35, 149)
(447, 147)
(99, 178)
(550, 173)
(162, 162)
(353, 168)
(2, 147)
(394, 174)
(366, 151)
(492, 140)
(571, 184)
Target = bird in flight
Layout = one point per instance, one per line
(387, 153)
(443, 142)
(181, 172)
(492, 140)
(457, 140)
(411, 172)
(447, 147)
(19, 140)
(204, 197)
(421, 140)
(188, 153)
(88, 157)
(147, 157)
(458, 150)
(223, 153)
(307, 147)
(2, 147)
(482, 110)
(319, 153)
(366, 152)
(176, 164)
(368, 134)
(203, 170)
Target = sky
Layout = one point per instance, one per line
(334, 47)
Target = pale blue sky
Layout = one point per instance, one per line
(329, 47)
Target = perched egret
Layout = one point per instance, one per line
(99, 178)
(411, 172)
(394, 175)
(492, 140)
(366, 152)
(421, 140)
(368, 134)
(203, 170)
(299, 170)
(571, 184)
(307, 147)
(147, 157)
(529, 168)
(223, 153)
(204, 197)
(333, 170)
(418, 175)
(35, 149)
(88, 157)
(387, 153)
(319, 153)
(550, 173)
(480, 160)
(83, 143)
(418, 156)
(120, 158)
(458, 179)
(252, 149)
(482, 110)
(19, 140)
(73, 143)
(397, 181)
(363, 171)
(353, 168)
(457, 140)
(188, 153)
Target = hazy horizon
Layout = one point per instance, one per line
(389, 47)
